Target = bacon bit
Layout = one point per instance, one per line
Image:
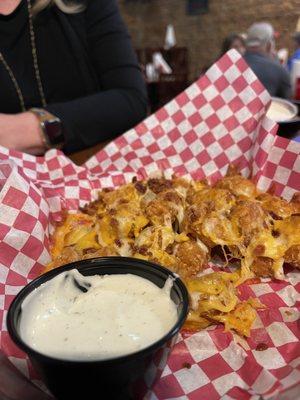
(107, 190)
(275, 233)
(288, 313)
(133, 248)
(114, 222)
(82, 222)
(262, 347)
(159, 239)
(124, 201)
(142, 250)
(118, 242)
(140, 187)
(274, 216)
(131, 232)
(134, 179)
(252, 281)
(259, 250)
(186, 365)
(233, 170)
(272, 189)
(169, 249)
(172, 196)
(158, 185)
(90, 208)
(90, 250)
(265, 225)
(193, 215)
(296, 198)
(205, 182)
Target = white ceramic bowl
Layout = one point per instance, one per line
(281, 110)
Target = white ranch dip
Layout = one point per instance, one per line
(279, 112)
(116, 315)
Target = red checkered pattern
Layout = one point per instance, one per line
(218, 366)
(218, 120)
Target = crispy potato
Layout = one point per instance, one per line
(292, 256)
(263, 267)
(180, 224)
(239, 186)
(191, 258)
(249, 217)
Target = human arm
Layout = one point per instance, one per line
(121, 103)
(21, 132)
(285, 87)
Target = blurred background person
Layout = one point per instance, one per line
(259, 56)
(296, 54)
(233, 41)
(69, 76)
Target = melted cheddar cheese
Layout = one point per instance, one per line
(180, 224)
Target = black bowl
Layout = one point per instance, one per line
(126, 377)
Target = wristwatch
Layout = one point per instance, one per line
(51, 128)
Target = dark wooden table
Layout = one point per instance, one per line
(82, 156)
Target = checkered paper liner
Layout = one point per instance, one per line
(218, 120)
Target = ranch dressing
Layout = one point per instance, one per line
(96, 317)
(279, 112)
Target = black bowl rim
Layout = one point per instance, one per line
(16, 337)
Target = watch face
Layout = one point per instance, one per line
(54, 131)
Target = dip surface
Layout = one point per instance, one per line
(279, 112)
(109, 316)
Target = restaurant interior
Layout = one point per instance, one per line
(189, 36)
(150, 199)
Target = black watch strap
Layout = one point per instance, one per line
(51, 128)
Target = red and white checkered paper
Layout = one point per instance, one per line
(218, 120)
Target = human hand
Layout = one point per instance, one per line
(21, 132)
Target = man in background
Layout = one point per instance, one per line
(259, 50)
(296, 55)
